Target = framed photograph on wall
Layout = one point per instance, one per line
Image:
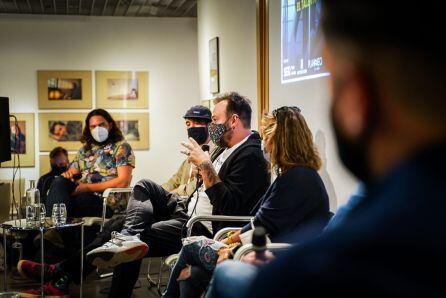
(64, 89)
(22, 140)
(122, 89)
(61, 129)
(44, 162)
(214, 66)
(135, 128)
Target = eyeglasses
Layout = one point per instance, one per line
(284, 110)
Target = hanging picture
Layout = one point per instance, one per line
(64, 130)
(64, 89)
(122, 89)
(22, 140)
(135, 128)
(214, 65)
(44, 161)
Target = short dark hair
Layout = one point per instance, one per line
(404, 54)
(237, 104)
(114, 135)
(57, 151)
(53, 126)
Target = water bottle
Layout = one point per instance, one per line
(33, 206)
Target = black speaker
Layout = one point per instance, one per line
(5, 131)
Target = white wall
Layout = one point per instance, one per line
(165, 47)
(234, 22)
(313, 98)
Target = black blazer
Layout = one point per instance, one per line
(244, 179)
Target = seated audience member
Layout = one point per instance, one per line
(59, 164)
(297, 200)
(232, 279)
(390, 126)
(105, 160)
(234, 179)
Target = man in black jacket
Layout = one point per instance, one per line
(234, 178)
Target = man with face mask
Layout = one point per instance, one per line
(59, 164)
(388, 113)
(183, 182)
(234, 178)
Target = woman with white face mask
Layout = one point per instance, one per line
(105, 160)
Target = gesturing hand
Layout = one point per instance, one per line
(196, 155)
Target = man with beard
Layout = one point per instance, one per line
(388, 112)
(234, 178)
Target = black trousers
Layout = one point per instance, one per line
(82, 205)
(165, 216)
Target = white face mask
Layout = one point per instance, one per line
(100, 134)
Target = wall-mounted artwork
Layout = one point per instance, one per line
(45, 166)
(22, 140)
(122, 89)
(63, 130)
(64, 89)
(135, 128)
(214, 66)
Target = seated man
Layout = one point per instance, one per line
(234, 179)
(105, 160)
(183, 183)
(59, 164)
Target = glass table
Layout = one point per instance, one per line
(19, 225)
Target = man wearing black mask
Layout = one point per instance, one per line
(196, 119)
(388, 112)
(59, 164)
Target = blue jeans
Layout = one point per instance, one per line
(201, 254)
(232, 279)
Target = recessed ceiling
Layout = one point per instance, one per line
(118, 8)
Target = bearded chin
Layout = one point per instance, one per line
(225, 139)
(353, 153)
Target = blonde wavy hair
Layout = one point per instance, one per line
(290, 140)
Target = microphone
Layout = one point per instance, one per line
(259, 242)
(205, 148)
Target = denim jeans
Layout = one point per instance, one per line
(200, 253)
(84, 204)
(232, 279)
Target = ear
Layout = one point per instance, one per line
(352, 105)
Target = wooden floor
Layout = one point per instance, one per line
(95, 287)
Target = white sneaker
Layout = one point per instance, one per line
(120, 249)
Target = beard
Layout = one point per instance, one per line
(226, 138)
(354, 152)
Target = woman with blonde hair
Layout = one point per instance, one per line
(296, 200)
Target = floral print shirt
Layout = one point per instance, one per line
(99, 163)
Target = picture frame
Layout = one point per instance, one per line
(44, 162)
(23, 143)
(214, 67)
(61, 129)
(64, 89)
(135, 128)
(122, 89)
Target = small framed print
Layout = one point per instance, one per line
(61, 129)
(64, 89)
(214, 66)
(22, 140)
(122, 89)
(135, 128)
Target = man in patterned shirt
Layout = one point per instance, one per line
(105, 160)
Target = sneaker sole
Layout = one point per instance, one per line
(26, 295)
(110, 259)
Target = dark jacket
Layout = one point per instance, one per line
(244, 179)
(297, 200)
(392, 244)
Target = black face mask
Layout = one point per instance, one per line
(199, 134)
(57, 170)
(353, 153)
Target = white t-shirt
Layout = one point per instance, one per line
(204, 206)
